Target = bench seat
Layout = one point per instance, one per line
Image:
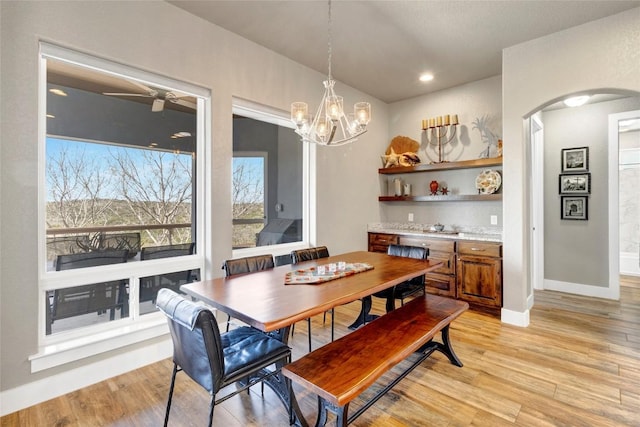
(340, 371)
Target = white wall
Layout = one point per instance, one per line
(163, 39)
(595, 56)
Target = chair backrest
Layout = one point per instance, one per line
(197, 345)
(60, 245)
(416, 252)
(167, 251)
(282, 259)
(309, 254)
(118, 241)
(247, 264)
(90, 259)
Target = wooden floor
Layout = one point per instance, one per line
(577, 364)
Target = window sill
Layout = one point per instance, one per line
(58, 354)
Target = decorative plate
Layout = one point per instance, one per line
(488, 182)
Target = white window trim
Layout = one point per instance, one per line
(65, 347)
(278, 117)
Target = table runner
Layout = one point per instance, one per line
(310, 276)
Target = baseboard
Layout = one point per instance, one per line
(581, 289)
(516, 318)
(30, 394)
(629, 264)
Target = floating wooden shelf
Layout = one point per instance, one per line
(465, 164)
(447, 198)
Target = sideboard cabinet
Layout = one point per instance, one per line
(471, 270)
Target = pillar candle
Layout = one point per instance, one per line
(454, 119)
(424, 124)
(439, 121)
(447, 120)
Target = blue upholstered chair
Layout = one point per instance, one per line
(216, 360)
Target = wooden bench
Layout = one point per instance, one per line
(340, 371)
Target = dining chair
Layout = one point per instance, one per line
(310, 254)
(410, 287)
(214, 360)
(150, 285)
(85, 299)
(250, 264)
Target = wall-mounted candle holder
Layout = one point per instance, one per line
(436, 130)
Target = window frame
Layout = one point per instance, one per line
(278, 117)
(66, 346)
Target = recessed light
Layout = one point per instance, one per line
(153, 144)
(576, 101)
(50, 116)
(58, 92)
(426, 77)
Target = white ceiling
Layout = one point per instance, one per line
(381, 47)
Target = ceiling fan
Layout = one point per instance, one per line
(159, 97)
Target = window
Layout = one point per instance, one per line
(270, 182)
(121, 196)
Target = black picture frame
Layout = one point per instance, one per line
(575, 183)
(575, 159)
(574, 208)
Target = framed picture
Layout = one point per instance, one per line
(574, 207)
(575, 159)
(579, 183)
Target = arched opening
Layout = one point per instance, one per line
(579, 252)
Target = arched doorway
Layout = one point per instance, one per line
(562, 257)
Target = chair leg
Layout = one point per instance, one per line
(211, 406)
(173, 382)
(333, 313)
(309, 330)
(228, 321)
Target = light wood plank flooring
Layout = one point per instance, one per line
(577, 364)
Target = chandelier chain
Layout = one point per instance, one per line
(329, 39)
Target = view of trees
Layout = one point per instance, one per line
(127, 186)
(248, 200)
(124, 186)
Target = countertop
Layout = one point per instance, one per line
(486, 234)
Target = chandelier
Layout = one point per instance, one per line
(330, 125)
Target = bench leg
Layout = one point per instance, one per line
(444, 347)
(339, 411)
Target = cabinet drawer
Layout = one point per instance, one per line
(431, 244)
(448, 260)
(440, 284)
(383, 239)
(480, 249)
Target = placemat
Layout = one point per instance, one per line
(310, 276)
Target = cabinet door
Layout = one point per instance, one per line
(441, 284)
(479, 280)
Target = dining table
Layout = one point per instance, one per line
(264, 299)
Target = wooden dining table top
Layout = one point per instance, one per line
(262, 300)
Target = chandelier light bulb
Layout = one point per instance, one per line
(362, 112)
(299, 113)
(334, 107)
